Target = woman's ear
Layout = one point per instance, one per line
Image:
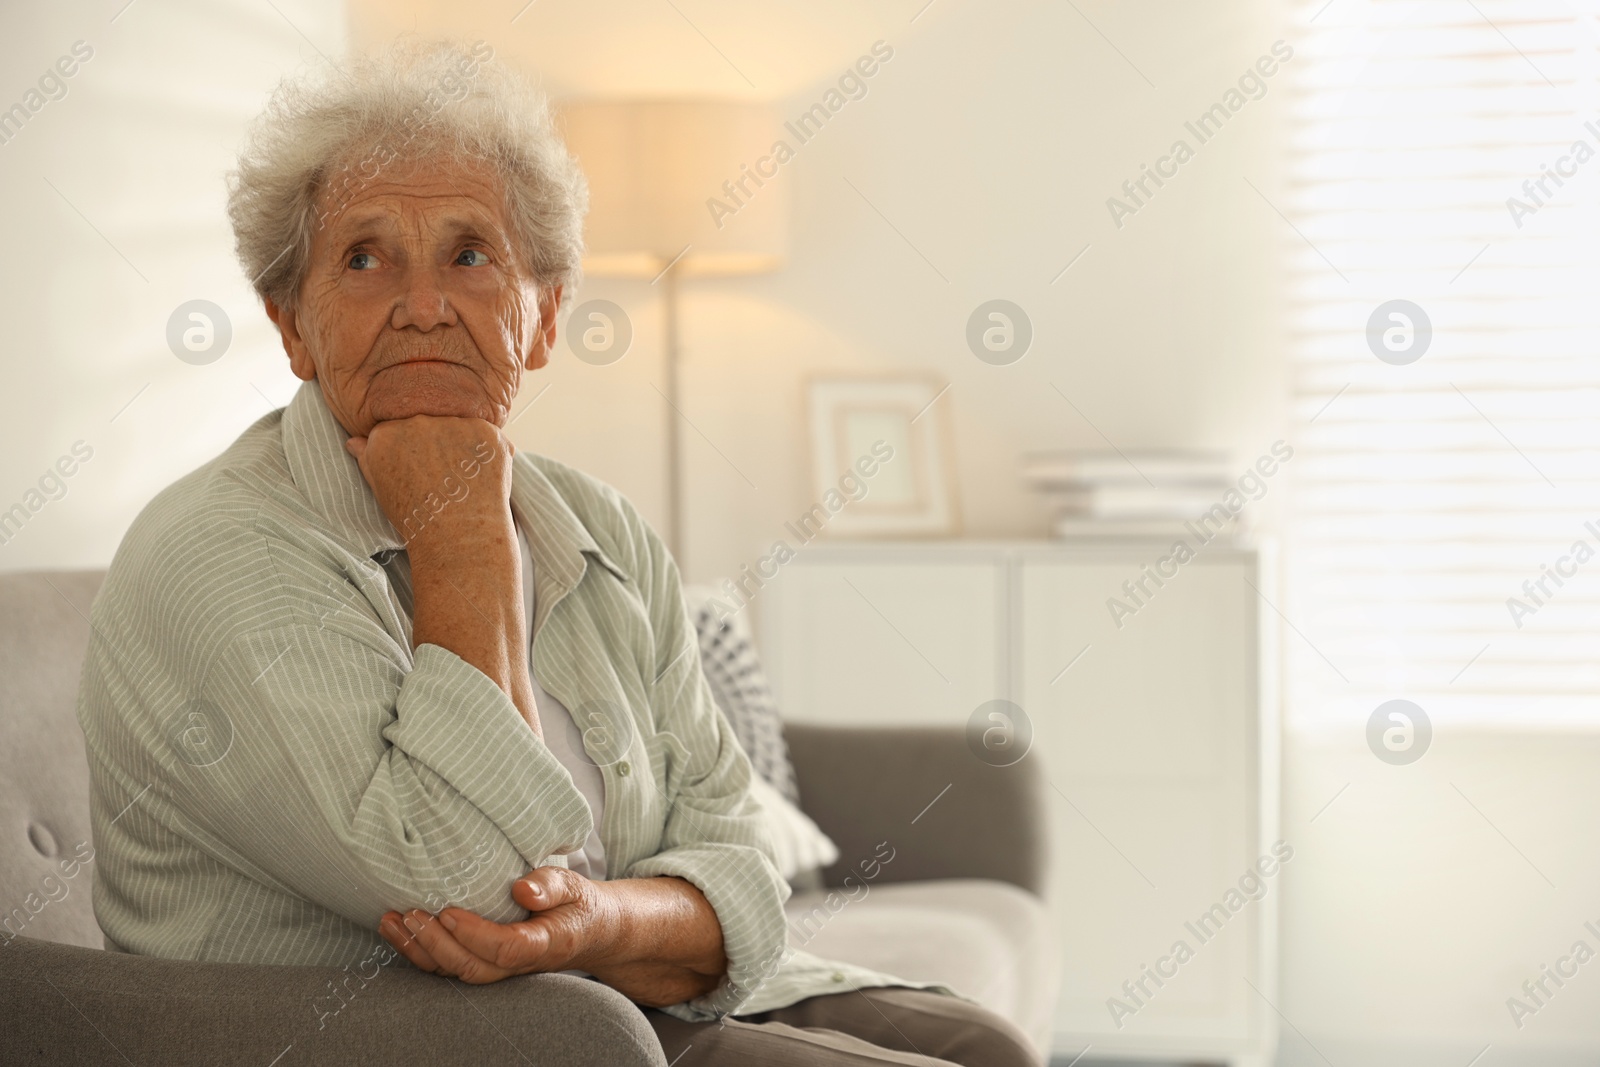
(545, 340)
(294, 344)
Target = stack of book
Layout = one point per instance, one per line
(1126, 495)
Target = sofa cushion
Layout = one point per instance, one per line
(987, 940)
(800, 847)
(46, 852)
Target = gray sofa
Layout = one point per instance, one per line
(958, 903)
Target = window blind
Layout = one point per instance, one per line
(1446, 154)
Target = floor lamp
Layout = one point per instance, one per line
(679, 189)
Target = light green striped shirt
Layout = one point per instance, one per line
(274, 766)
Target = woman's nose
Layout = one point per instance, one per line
(423, 302)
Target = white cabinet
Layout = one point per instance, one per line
(918, 640)
(1158, 737)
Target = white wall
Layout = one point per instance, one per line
(132, 228)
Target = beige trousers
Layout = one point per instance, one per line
(867, 1026)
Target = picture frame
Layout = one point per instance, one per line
(855, 420)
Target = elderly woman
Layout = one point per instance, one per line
(372, 672)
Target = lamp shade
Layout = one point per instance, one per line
(666, 175)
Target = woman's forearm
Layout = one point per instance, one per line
(469, 600)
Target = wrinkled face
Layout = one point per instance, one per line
(415, 301)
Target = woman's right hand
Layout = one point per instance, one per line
(441, 481)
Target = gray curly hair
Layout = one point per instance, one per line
(332, 133)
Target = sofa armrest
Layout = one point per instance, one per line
(69, 1005)
(945, 813)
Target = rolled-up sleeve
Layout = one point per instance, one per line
(390, 787)
(713, 835)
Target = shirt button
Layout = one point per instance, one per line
(623, 769)
(838, 976)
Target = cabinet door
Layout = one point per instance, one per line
(1150, 741)
(884, 641)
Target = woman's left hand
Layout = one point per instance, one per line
(655, 940)
(572, 923)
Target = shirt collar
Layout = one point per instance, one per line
(331, 479)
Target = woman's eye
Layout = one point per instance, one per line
(362, 261)
(480, 261)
